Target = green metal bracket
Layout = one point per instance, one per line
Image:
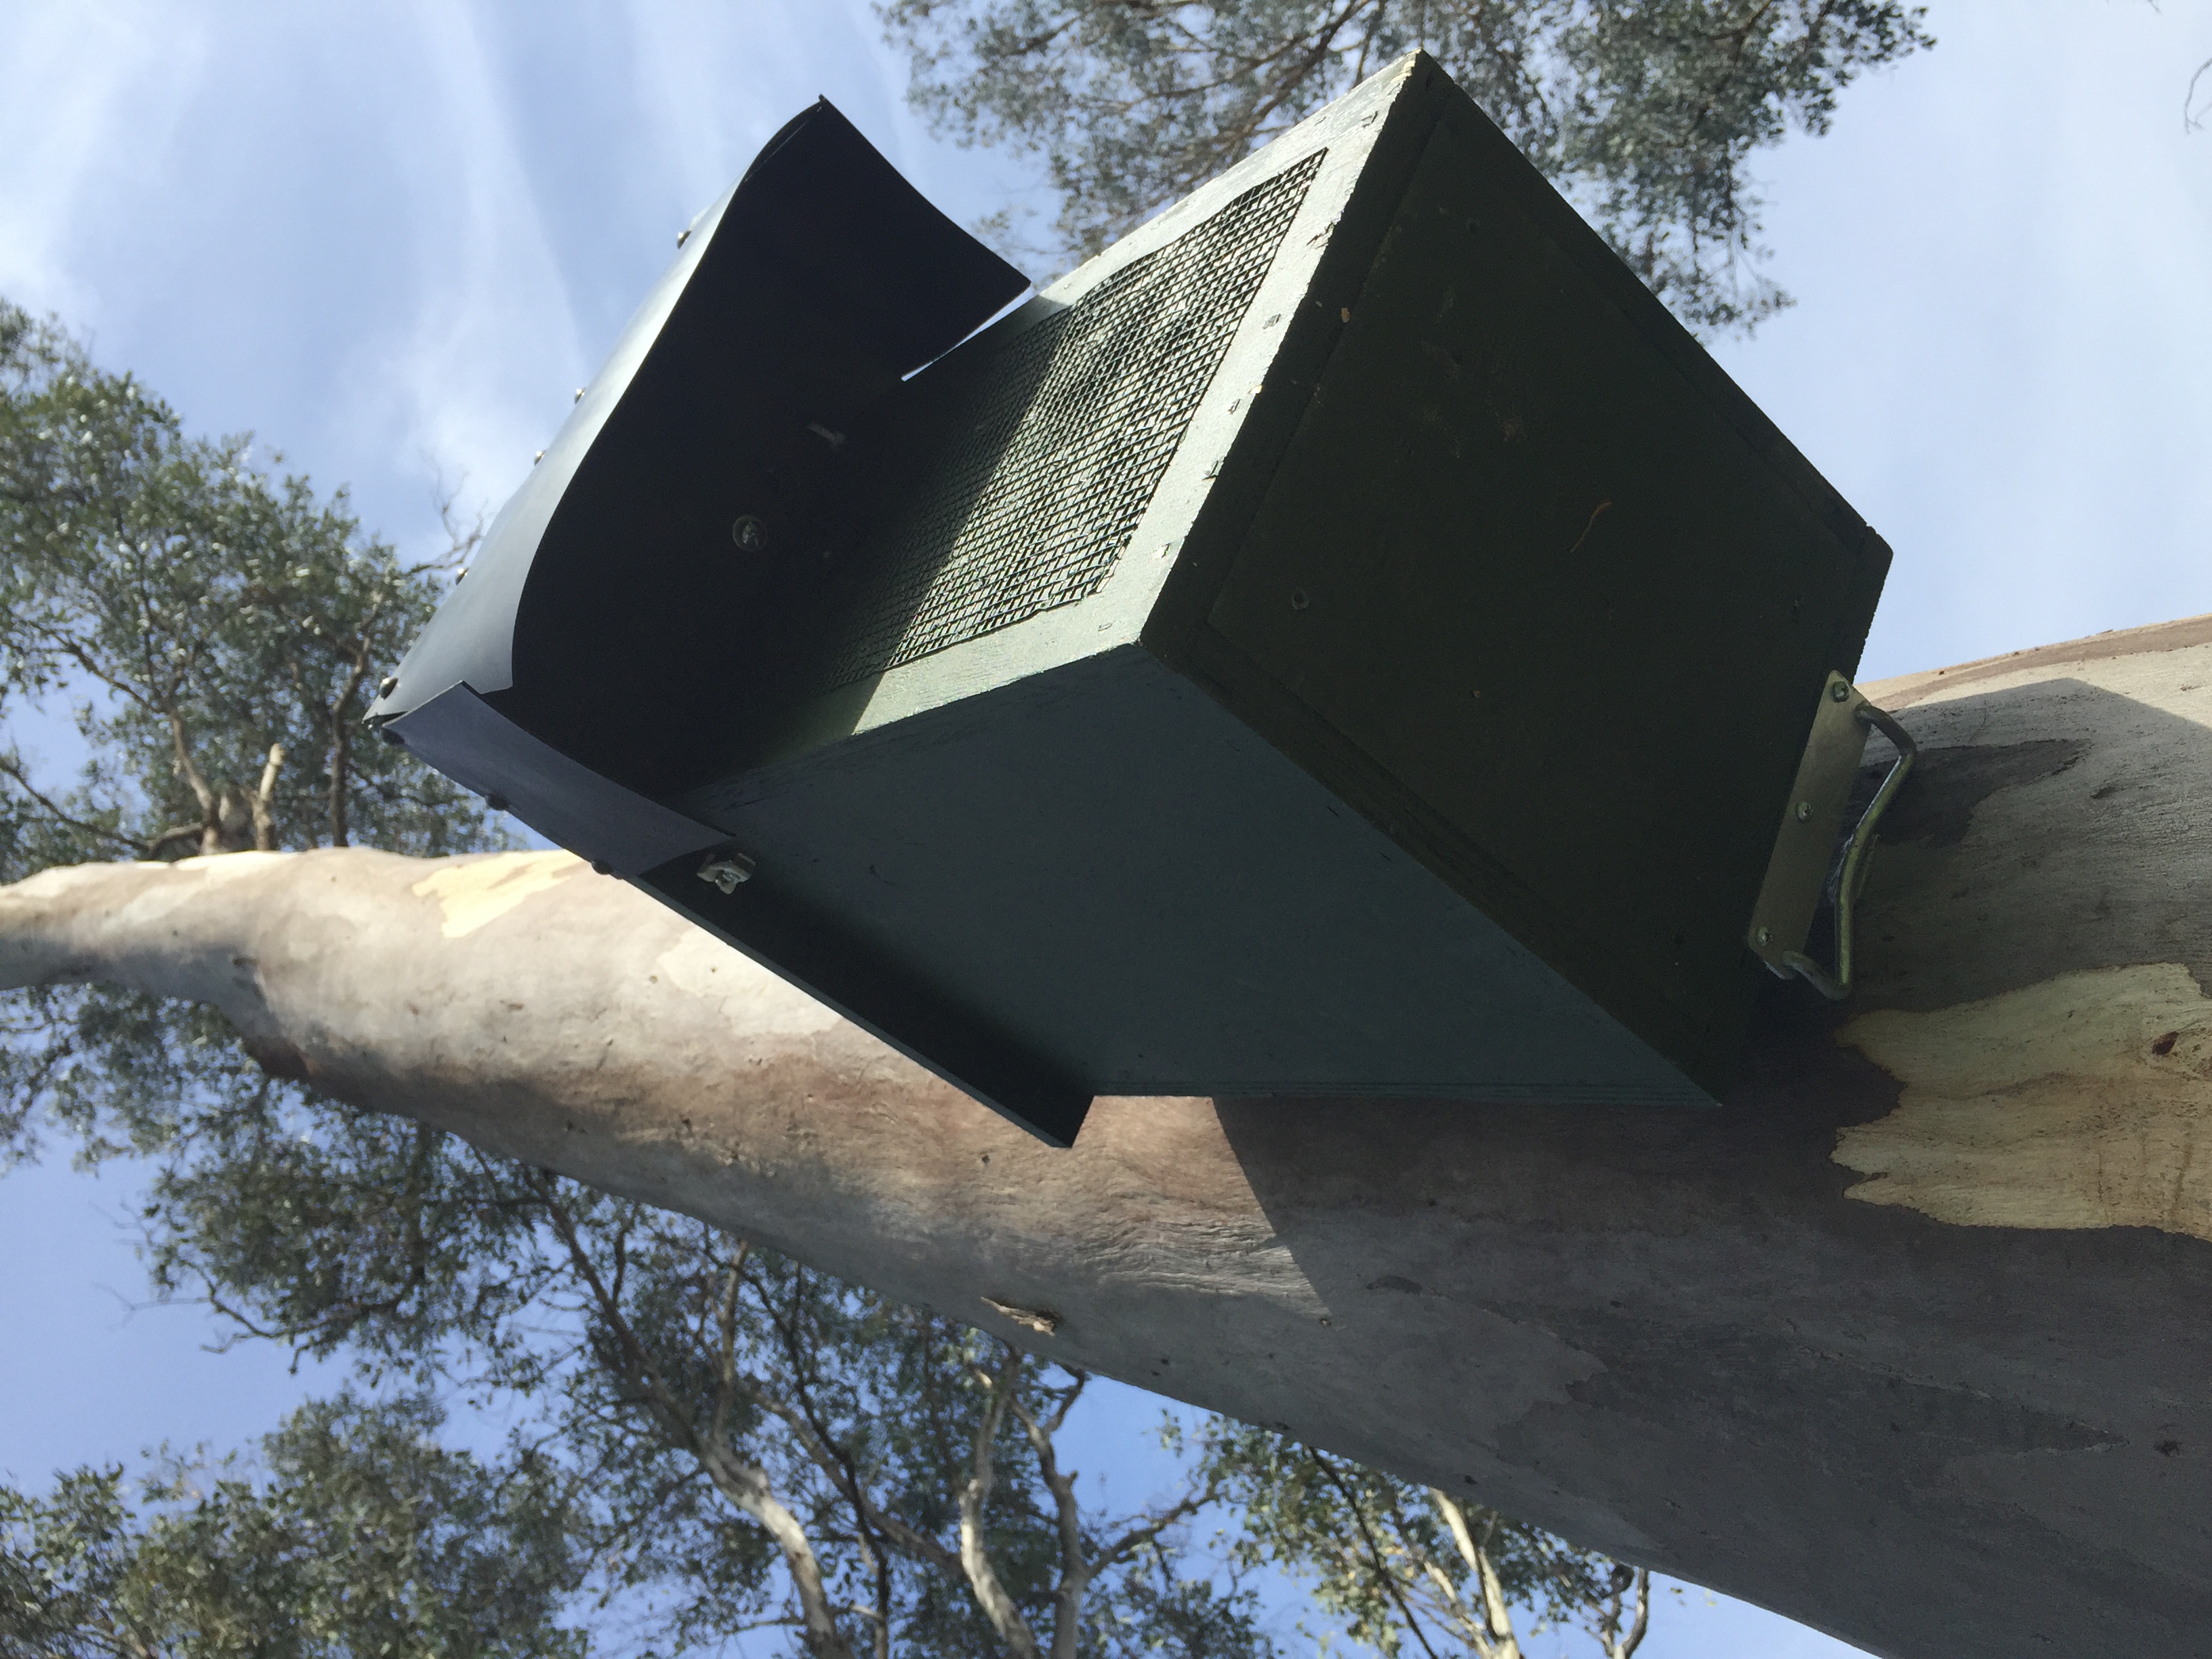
(1804, 849)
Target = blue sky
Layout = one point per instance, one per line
(393, 240)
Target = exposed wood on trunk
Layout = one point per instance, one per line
(1909, 1341)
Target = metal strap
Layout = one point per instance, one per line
(1837, 986)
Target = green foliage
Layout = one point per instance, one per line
(214, 634)
(193, 611)
(1647, 112)
(365, 1539)
(673, 1376)
(1404, 1565)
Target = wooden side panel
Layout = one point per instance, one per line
(1552, 596)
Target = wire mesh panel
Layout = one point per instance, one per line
(1054, 450)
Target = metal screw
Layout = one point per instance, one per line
(748, 533)
(538, 457)
(497, 803)
(683, 236)
(1765, 936)
(1298, 599)
(728, 873)
(387, 685)
(1804, 811)
(1840, 692)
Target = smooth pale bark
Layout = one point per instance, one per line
(1912, 1340)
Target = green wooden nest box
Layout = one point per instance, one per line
(1346, 639)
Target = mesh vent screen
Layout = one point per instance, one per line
(1055, 450)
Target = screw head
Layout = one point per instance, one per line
(1804, 811)
(387, 685)
(1765, 936)
(1840, 692)
(1298, 599)
(750, 534)
(728, 873)
(497, 803)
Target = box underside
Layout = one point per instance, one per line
(1101, 870)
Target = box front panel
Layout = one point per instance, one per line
(1549, 591)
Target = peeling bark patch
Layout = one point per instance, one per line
(476, 891)
(222, 866)
(2083, 1102)
(700, 965)
(1041, 1321)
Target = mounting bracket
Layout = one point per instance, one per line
(1812, 821)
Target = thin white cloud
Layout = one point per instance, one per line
(464, 378)
(713, 82)
(90, 97)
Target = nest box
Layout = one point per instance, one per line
(1346, 639)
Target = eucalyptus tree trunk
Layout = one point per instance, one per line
(1911, 1341)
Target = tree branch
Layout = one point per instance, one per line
(1378, 1562)
(975, 1557)
(13, 769)
(744, 1484)
(265, 821)
(1634, 1639)
(1076, 1568)
(1478, 1562)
